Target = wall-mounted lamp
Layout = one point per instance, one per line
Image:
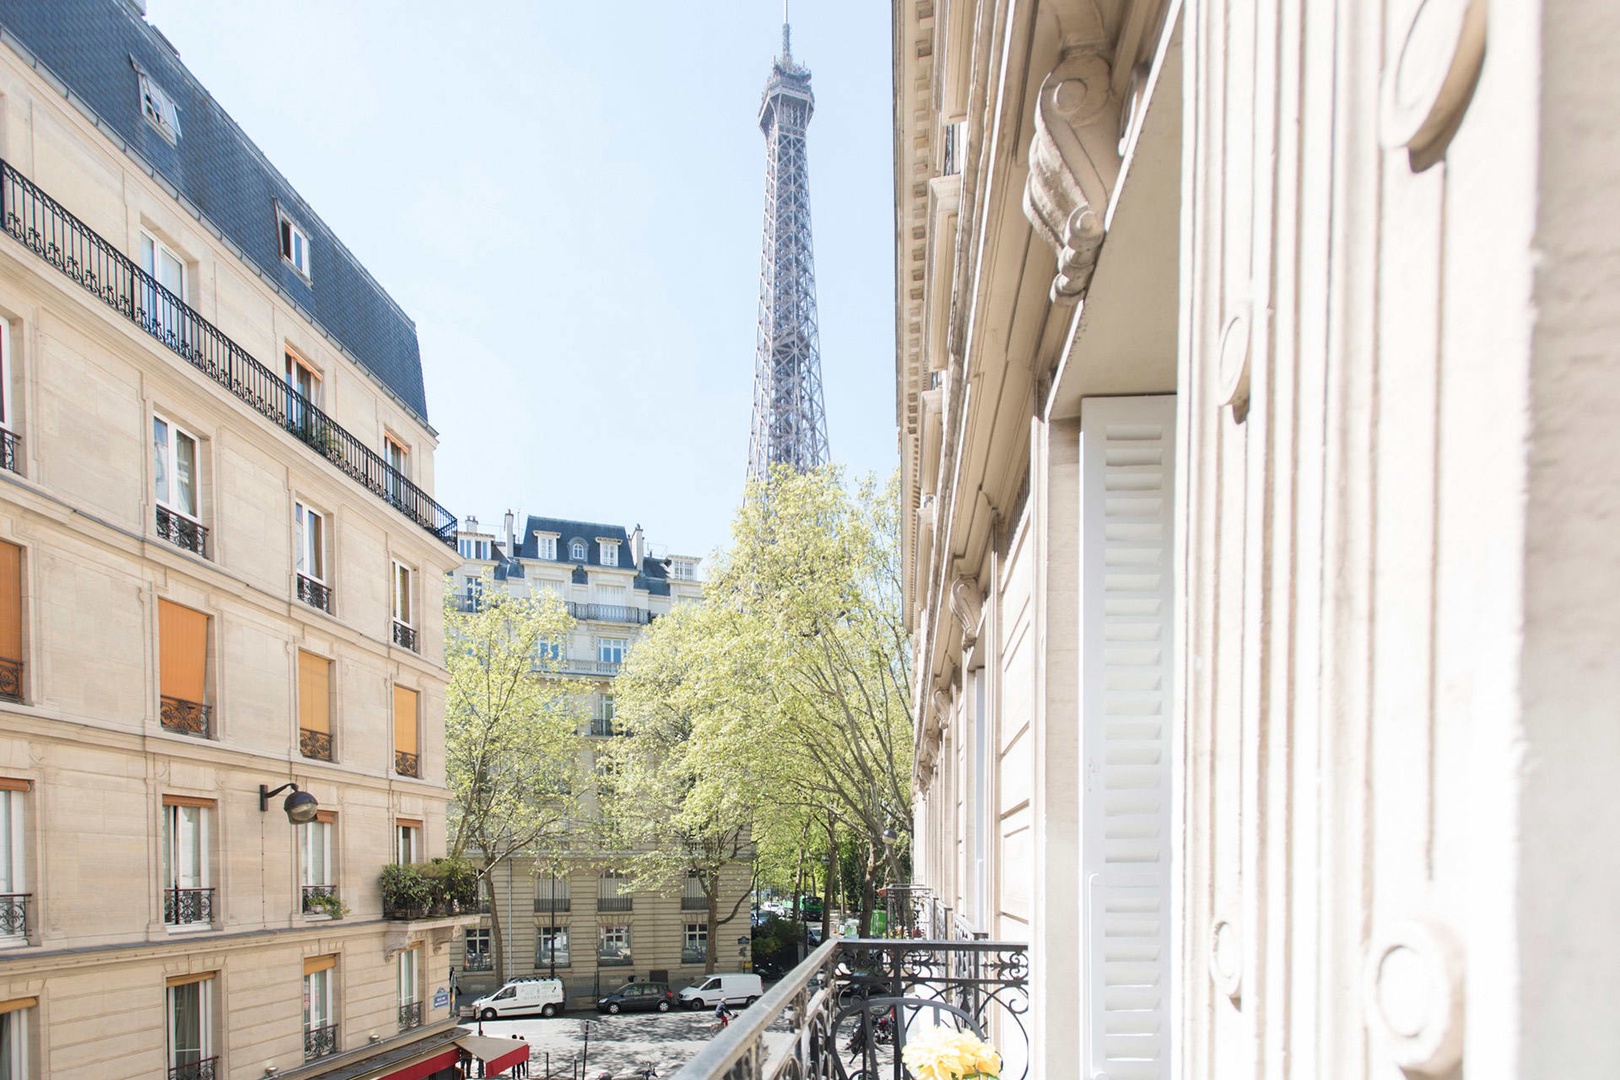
(300, 807)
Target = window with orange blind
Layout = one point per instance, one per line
(406, 762)
(182, 652)
(314, 706)
(11, 643)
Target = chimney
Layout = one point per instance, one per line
(471, 524)
(638, 546)
(511, 547)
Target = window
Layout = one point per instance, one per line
(551, 947)
(15, 1018)
(473, 548)
(8, 410)
(159, 108)
(187, 899)
(610, 594)
(478, 954)
(304, 384)
(610, 650)
(410, 999)
(548, 650)
(320, 1023)
(576, 551)
(696, 947)
(318, 886)
(407, 841)
(11, 620)
(183, 674)
(309, 558)
(610, 552)
(545, 547)
(683, 570)
(613, 947)
(404, 606)
(14, 895)
(605, 713)
(406, 762)
(191, 1026)
(294, 243)
(692, 895)
(314, 706)
(552, 894)
(473, 594)
(162, 292)
(174, 477)
(613, 892)
(398, 459)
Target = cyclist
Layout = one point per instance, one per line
(722, 1014)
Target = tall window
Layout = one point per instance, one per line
(610, 552)
(692, 896)
(175, 478)
(406, 761)
(613, 892)
(683, 570)
(13, 883)
(318, 884)
(305, 383)
(407, 841)
(613, 947)
(695, 949)
(8, 417)
(551, 947)
(552, 894)
(611, 594)
(320, 1021)
(309, 556)
(11, 622)
(191, 1027)
(162, 313)
(404, 606)
(183, 674)
(294, 244)
(399, 460)
(410, 998)
(610, 650)
(314, 706)
(576, 551)
(546, 547)
(604, 716)
(15, 1018)
(187, 899)
(478, 954)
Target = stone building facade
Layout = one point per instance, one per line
(584, 923)
(1255, 383)
(219, 570)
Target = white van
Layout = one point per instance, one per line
(543, 996)
(739, 989)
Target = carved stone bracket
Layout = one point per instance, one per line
(1412, 993)
(966, 606)
(1073, 165)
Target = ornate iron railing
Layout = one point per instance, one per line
(14, 914)
(846, 1012)
(314, 897)
(203, 1069)
(320, 1041)
(46, 228)
(614, 903)
(315, 744)
(11, 679)
(546, 905)
(182, 532)
(8, 452)
(183, 907)
(410, 1015)
(407, 764)
(404, 636)
(185, 717)
(602, 727)
(617, 613)
(315, 594)
(694, 903)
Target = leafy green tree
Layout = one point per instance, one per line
(511, 739)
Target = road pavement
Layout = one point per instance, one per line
(620, 1045)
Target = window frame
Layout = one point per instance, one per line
(697, 932)
(407, 833)
(171, 845)
(329, 839)
(618, 934)
(158, 106)
(410, 983)
(306, 548)
(14, 820)
(608, 552)
(172, 450)
(328, 1012)
(578, 551)
(552, 935)
(403, 598)
(607, 644)
(8, 410)
(17, 1020)
(485, 950)
(288, 232)
(545, 547)
(205, 1020)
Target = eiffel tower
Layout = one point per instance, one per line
(790, 421)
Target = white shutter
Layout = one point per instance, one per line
(1127, 451)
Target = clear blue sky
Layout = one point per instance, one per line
(567, 199)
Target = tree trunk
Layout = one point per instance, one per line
(714, 929)
(832, 868)
(496, 939)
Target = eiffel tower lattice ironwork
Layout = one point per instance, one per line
(790, 420)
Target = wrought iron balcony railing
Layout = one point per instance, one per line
(320, 1041)
(545, 905)
(314, 593)
(602, 727)
(614, 903)
(848, 1010)
(182, 532)
(317, 899)
(11, 679)
(8, 452)
(694, 903)
(407, 764)
(187, 907)
(410, 1015)
(404, 636)
(14, 914)
(201, 1069)
(185, 717)
(46, 228)
(616, 613)
(316, 745)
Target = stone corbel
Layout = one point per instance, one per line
(966, 606)
(1073, 165)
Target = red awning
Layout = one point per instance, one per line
(417, 1070)
(498, 1055)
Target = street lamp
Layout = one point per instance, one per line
(300, 806)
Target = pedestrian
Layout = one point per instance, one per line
(722, 1014)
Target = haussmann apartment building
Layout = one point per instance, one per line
(221, 679)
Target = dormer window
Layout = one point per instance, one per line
(610, 552)
(545, 547)
(576, 551)
(159, 108)
(294, 243)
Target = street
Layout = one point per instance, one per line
(620, 1045)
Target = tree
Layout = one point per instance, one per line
(511, 739)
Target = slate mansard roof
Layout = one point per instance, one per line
(650, 575)
(92, 47)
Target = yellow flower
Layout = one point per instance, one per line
(941, 1053)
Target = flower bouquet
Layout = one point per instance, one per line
(941, 1053)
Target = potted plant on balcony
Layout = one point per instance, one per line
(327, 904)
(942, 1053)
(406, 893)
(452, 885)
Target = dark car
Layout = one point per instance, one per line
(638, 997)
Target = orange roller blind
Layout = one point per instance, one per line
(189, 800)
(404, 719)
(408, 823)
(326, 817)
(183, 980)
(18, 1003)
(319, 963)
(314, 693)
(183, 651)
(12, 784)
(10, 601)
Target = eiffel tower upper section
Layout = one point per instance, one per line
(790, 420)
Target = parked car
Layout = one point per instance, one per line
(739, 988)
(812, 907)
(638, 997)
(543, 996)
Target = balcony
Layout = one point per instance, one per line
(602, 727)
(822, 1019)
(568, 666)
(614, 613)
(694, 903)
(14, 914)
(321, 900)
(407, 764)
(614, 903)
(8, 452)
(11, 679)
(404, 636)
(188, 907)
(314, 593)
(410, 1016)
(315, 745)
(182, 532)
(547, 905)
(46, 228)
(203, 1069)
(185, 717)
(320, 1041)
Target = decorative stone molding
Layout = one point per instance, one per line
(1430, 81)
(1232, 375)
(1412, 993)
(1226, 958)
(1073, 165)
(966, 605)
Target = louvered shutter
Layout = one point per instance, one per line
(1127, 449)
